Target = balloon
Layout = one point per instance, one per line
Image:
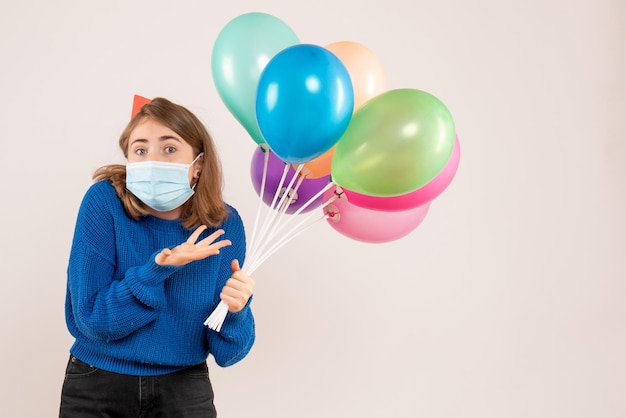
(240, 53)
(275, 168)
(304, 102)
(414, 199)
(319, 166)
(368, 80)
(396, 143)
(369, 225)
(364, 67)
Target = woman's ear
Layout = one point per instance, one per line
(197, 166)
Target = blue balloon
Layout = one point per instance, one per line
(304, 102)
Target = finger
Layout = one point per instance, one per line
(234, 305)
(234, 265)
(208, 240)
(194, 236)
(234, 299)
(203, 251)
(220, 244)
(235, 285)
(162, 256)
(240, 283)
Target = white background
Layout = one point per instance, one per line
(506, 302)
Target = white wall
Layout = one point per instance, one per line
(506, 302)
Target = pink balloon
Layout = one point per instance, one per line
(416, 198)
(275, 168)
(369, 225)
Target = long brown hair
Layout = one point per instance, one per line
(206, 206)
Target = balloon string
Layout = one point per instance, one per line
(218, 316)
(259, 253)
(269, 216)
(291, 232)
(308, 203)
(284, 240)
(298, 229)
(311, 200)
(266, 158)
(289, 192)
(279, 227)
(277, 210)
(330, 200)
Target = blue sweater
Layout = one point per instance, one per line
(132, 316)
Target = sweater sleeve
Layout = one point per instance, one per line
(99, 305)
(237, 335)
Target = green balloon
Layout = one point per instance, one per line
(240, 53)
(396, 143)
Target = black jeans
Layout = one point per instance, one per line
(92, 392)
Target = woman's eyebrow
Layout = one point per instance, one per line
(138, 140)
(161, 139)
(167, 137)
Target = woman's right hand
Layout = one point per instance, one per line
(191, 250)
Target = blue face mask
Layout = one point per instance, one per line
(162, 186)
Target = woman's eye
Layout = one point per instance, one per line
(140, 151)
(170, 150)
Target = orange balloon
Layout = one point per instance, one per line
(364, 67)
(318, 167)
(368, 80)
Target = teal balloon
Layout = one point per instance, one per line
(395, 143)
(240, 53)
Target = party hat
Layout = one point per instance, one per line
(138, 102)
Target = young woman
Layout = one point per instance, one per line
(155, 249)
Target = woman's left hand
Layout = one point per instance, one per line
(238, 288)
(191, 250)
